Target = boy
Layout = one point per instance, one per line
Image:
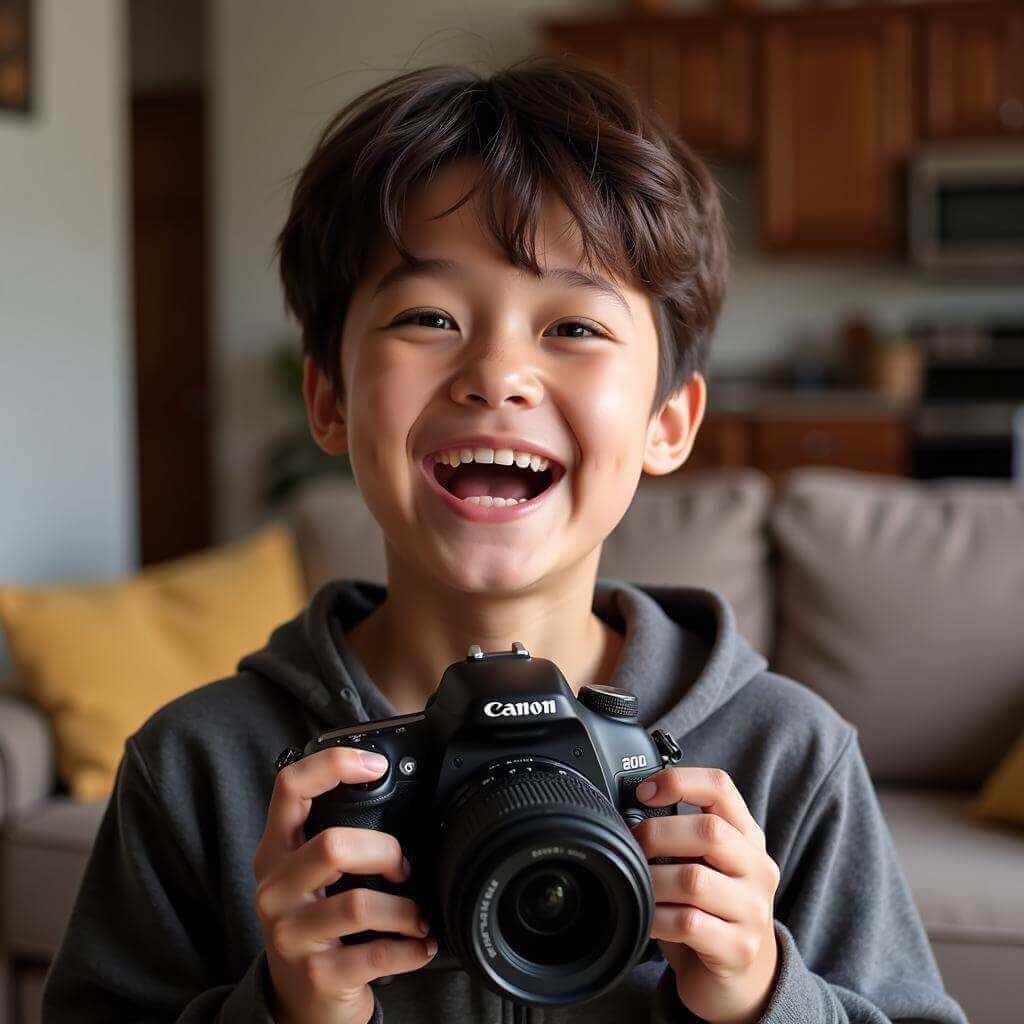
(507, 290)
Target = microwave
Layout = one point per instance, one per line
(966, 207)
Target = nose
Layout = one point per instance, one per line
(497, 376)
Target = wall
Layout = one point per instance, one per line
(279, 70)
(67, 480)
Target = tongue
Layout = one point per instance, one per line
(474, 479)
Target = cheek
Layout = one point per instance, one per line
(609, 418)
(392, 393)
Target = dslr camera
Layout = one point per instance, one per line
(513, 800)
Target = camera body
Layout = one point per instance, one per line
(513, 801)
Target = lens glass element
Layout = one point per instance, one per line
(555, 912)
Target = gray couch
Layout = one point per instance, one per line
(901, 603)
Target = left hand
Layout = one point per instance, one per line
(714, 919)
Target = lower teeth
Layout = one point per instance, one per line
(487, 499)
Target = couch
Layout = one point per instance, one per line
(900, 602)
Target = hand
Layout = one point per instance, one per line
(317, 979)
(714, 914)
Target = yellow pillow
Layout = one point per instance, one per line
(1002, 797)
(101, 658)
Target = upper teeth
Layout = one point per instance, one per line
(500, 456)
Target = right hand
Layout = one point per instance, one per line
(317, 979)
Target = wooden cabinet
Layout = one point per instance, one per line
(701, 83)
(831, 101)
(775, 439)
(695, 72)
(869, 444)
(974, 71)
(837, 129)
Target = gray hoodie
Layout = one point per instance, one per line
(164, 926)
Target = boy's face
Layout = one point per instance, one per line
(495, 352)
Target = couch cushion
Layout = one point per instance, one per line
(336, 533)
(703, 529)
(964, 874)
(900, 603)
(44, 854)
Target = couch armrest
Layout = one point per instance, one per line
(27, 756)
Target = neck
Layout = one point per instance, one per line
(423, 626)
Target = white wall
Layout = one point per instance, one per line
(67, 478)
(280, 69)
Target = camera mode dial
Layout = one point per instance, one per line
(609, 701)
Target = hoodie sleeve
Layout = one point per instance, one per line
(133, 949)
(852, 947)
(129, 952)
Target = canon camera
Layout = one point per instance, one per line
(513, 800)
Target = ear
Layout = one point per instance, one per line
(323, 410)
(673, 429)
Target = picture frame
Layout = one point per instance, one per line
(15, 56)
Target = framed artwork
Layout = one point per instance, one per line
(15, 62)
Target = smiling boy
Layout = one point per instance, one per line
(507, 289)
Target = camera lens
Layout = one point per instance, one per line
(545, 893)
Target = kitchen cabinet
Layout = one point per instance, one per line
(974, 71)
(701, 83)
(837, 94)
(780, 433)
(696, 72)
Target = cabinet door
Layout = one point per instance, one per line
(702, 83)
(837, 128)
(620, 49)
(974, 71)
(866, 444)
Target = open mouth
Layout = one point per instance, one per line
(482, 480)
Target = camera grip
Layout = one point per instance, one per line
(394, 814)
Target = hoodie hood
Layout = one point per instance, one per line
(682, 655)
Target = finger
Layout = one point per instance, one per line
(347, 913)
(339, 970)
(710, 789)
(697, 835)
(703, 887)
(704, 933)
(297, 784)
(322, 860)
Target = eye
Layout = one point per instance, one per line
(432, 314)
(595, 331)
(425, 314)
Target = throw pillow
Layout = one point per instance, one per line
(101, 658)
(1002, 797)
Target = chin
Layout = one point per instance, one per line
(482, 569)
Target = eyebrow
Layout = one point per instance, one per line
(436, 267)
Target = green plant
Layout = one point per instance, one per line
(294, 458)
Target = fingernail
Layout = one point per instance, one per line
(406, 866)
(431, 947)
(424, 925)
(646, 790)
(374, 762)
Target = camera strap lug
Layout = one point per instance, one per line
(667, 746)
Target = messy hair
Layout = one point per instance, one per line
(645, 204)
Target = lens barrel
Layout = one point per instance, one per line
(544, 890)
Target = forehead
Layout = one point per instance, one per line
(463, 235)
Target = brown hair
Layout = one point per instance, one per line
(646, 206)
